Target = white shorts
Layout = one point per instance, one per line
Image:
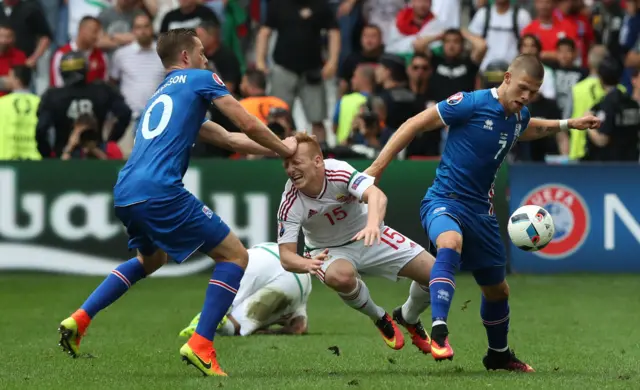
(386, 259)
(281, 300)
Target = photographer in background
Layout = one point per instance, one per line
(367, 134)
(85, 142)
(280, 121)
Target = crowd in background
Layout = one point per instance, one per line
(357, 69)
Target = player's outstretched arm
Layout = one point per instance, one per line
(377, 202)
(292, 262)
(252, 126)
(427, 120)
(217, 135)
(540, 128)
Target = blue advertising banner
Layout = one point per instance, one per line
(596, 212)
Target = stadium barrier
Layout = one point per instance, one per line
(596, 213)
(57, 216)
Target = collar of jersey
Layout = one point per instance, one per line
(324, 189)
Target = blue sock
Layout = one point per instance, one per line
(495, 318)
(442, 284)
(114, 286)
(222, 289)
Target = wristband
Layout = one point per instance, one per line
(564, 125)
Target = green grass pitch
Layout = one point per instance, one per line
(577, 331)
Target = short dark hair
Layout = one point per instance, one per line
(6, 26)
(610, 71)
(529, 64)
(87, 120)
(372, 26)
(88, 18)
(535, 39)
(453, 31)
(256, 78)
(421, 55)
(22, 73)
(566, 42)
(173, 42)
(210, 26)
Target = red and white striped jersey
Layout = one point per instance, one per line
(333, 217)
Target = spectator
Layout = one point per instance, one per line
(18, 118)
(419, 71)
(449, 11)
(163, 7)
(30, 26)
(502, 25)
(635, 80)
(400, 102)
(79, 9)
(190, 14)
(412, 23)
(256, 101)
(529, 44)
(349, 13)
(607, 19)
(9, 57)
(570, 11)
(382, 13)
(455, 71)
(117, 23)
(548, 30)
(138, 71)
(372, 49)
(84, 142)
(85, 42)
(364, 83)
(567, 75)
(60, 107)
(367, 128)
(617, 138)
(537, 150)
(298, 69)
(222, 60)
(584, 96)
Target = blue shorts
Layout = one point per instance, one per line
(483, 251)
(179, 226)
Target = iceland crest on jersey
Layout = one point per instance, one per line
(455, 99)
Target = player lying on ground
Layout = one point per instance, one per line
(341, 213)
(268, 295)
(483, 126)
(163, 218)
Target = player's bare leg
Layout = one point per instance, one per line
(408, 315)
(231, 259)
(113, 287)
(442, 287)
(342, 277)
(494, 311)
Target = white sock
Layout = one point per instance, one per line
(360, 299)
(418, 301)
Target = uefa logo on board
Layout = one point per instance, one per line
(570, 216)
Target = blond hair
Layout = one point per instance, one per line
(314, 146)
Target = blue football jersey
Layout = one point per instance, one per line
(480, 136)
(165, 135)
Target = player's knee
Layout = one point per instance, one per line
(450, 240)
(495, 293)
(342, 279)
(151, 263)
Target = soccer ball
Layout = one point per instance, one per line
(531, 228)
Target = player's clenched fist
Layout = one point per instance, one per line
(370, 234)
(291, 144)
(586, 122)
(315, 263)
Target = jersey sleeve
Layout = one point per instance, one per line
(457, 108)
(347, 177)
(289, 215)
(209, 85)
